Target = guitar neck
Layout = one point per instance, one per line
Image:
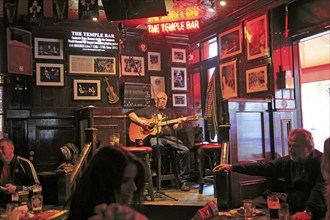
(173, 121)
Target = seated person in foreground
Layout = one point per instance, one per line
(166, 135)
(16, 173)
(325, 167)
(300, 170)
(113, 179)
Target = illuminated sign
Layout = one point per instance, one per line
(175, 26)
(93, 41)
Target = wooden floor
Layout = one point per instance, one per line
(190, 198)
(182, 205)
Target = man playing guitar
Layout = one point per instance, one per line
(166, 133)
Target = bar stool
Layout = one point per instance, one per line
(209, 152)
(173, 170)
(143, 152)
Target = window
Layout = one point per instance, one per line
(209, 49)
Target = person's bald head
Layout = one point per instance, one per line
(161, 100)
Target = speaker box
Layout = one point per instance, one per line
(19, 51)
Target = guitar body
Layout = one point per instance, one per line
(136, 131)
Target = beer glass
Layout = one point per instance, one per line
(273, 204)
(284, 213)
(248, 208)
(115, 139)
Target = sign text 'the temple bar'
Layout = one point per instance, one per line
(175, 26)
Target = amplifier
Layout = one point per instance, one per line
(136, 95)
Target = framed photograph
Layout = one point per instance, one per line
(256, 79)
(179, 78)
(228, 79)
(49, 74)
(47, 48)
(154, 62)
(132, 66)
(90, 65)
(86, 89)
(178, 55)
(157, 85)
(230, 42)
(256, 35)
(179, 100)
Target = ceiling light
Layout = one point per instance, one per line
(222, 3)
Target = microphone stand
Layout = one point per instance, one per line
(158, 193)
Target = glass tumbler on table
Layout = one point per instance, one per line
(248, 208)
(115, 139)
(273, 204)
(284, 212)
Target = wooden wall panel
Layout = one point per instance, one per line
(46, 136)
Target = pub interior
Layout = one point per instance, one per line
(71, 72)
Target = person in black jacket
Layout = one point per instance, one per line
(16, 173)
(301, 172)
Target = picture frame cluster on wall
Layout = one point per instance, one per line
(179, 77)
(49, 73)
(257, 46)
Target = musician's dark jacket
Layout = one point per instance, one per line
(23, 176)
(303, 181)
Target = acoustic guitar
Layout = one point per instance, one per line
(137, 131)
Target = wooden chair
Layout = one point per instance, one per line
(143, 153)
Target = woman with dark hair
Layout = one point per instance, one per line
(113, 176)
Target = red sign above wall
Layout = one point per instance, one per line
(174, 27)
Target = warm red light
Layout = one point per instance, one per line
(175, 26)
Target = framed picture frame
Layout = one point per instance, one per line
(132, 66)
(47, 48)
(179, 100)
(230, 42)
(256, 79)
(228, 79)
(157, 85)
(179, 55)
(256, 35)
(92, 65)
(179, 78)
(154, 61)
(49, 74)
(86, 89)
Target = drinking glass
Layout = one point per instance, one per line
(9, 208)
(114, 139)
(273, 204)
(248, 208)
(36, 203)
(284, 213)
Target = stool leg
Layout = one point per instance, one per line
(201, 170)
(159, 172)
(150, 185)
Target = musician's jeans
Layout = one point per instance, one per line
(181, 150)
